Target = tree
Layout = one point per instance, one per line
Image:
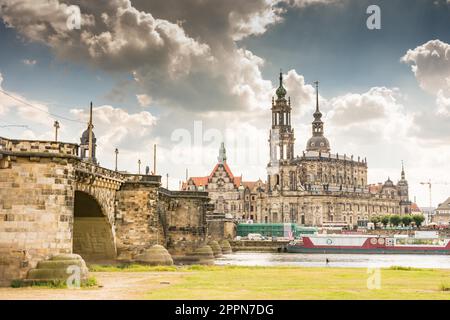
(395, 220)
(385, 220)
(375, 220)
(418, 219)
(406, 220)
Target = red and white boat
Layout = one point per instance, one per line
(368, 244)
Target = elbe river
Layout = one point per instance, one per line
(335, 260)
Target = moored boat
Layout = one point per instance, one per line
(369, 244)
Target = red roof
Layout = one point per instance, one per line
(415, 207)
(199, 181)
(249, 184)
(203, 181)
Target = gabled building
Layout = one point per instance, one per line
(228, 193)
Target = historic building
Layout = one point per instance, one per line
(316, 188)
(442, 214)
(228, 193)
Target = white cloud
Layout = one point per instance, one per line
(443, 104)
(379, 103)
(144, 100)
(430, 63)
(115, 35)
(29, 62)
(11, 101)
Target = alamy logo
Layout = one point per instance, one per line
(74, 280)
(374, 20)
(74, 17)
(374, 279)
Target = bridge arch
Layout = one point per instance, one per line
(93, 234)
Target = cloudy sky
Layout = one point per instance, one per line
(190, 74)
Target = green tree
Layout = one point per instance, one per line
(375, 220)
(385, 220)
(406, 220)
(395, 220)
(418, 219)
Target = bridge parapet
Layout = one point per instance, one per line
(183, 194)
(89, 172)
(17, 147)
(142, 178)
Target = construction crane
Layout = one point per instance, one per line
(429, 187)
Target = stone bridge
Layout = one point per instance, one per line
(52, 202)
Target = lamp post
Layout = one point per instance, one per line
(139, 166)
(56, 125)
(116, 152)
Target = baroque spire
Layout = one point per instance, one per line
(317, 142)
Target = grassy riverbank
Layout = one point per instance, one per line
(232, 282)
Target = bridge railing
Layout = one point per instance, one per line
(39, 147)
(91, 168)
(187, 194)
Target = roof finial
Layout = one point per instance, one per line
(281, 77)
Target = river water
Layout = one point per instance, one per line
(335, 260)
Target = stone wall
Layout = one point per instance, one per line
(184, 219)
(137, 222)
(93, 239)
(36, 208)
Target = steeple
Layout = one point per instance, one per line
(317, 142)
(317, 123)
(403, 176)
(222, 158)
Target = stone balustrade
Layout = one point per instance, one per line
(36, 147)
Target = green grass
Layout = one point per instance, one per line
(232, 282)
(405, 268)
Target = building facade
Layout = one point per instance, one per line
(316, 188)
(229, 194)
(442, 213)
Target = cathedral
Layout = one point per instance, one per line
(316, 188)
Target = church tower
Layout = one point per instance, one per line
(281, 135)
(402, 187)
(281, 138)
(318, 142)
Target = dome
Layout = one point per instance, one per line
(85, 137)
(388, 183)
(318, 143)
(281, 92)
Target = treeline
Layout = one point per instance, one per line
(397, 220)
